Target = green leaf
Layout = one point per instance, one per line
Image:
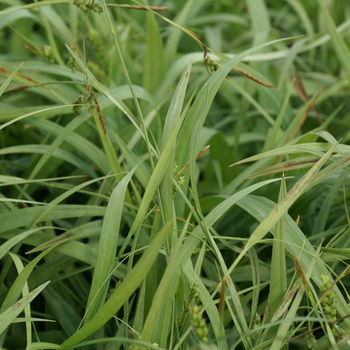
(9, 315)
(154, 60)
(22, 278)
(281, 208)
(5, 247)
(7, 82)
(182, 253)
(123, 292)
(260, 20)
(107, 247)
(340, 47)
(278, 280)
(162, 165)
(43, 346)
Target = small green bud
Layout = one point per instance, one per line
(205, 340)
(200, 333)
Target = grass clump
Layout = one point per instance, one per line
(166, 184)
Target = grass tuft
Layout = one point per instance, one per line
(174, 175)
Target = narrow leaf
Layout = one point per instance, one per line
(107, 246)
(123, 292)
(9, 315)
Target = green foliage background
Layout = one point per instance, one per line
(120, 229)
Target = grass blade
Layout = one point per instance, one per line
(281, 208)
(340, 47)
(278, 281)
(107, 247)
(123, 292)
(9, 315)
